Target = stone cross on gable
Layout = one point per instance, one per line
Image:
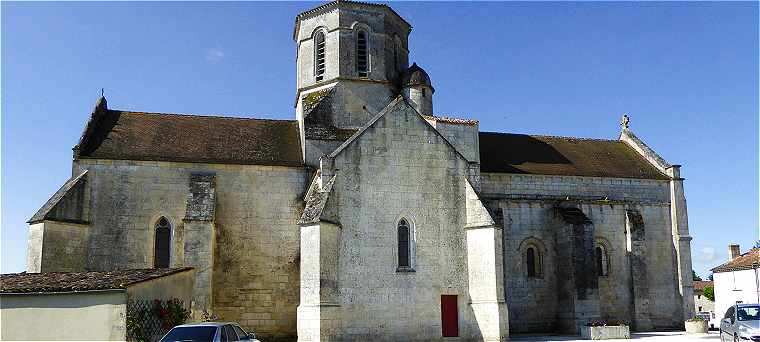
(624, 121)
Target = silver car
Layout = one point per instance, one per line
(741, 323)
(209, 332)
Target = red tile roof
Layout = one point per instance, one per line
(562, 156)
(115, 134)
(746, 261)
(80, 281)
(699, 285)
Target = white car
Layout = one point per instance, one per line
(209, 332)
(741, 323)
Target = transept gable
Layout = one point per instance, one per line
(398, 105)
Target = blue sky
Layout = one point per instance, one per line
(686, 74)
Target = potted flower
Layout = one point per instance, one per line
(605, 330)
(696, 325)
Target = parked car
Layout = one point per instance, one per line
(209, 332)
(741, 323)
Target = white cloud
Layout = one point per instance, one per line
(707, 254)
(214, 55)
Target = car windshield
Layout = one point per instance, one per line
(748, 313)
(190, 334)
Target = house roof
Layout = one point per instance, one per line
(746, 261)
(80, 281)
(562, 156)
(116, 134)
(699, 285)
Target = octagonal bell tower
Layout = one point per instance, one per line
(355, 51)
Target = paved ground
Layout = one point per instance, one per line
(652, 336)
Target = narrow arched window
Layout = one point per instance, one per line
(404, 245)
(602, 261)
(530, 260)
(319, 56)
(362, 54)
(162, 243)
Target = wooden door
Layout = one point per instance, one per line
(449, 316)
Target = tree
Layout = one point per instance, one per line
(757, 244)
(709, 293)
(710, 277)
(695, 276)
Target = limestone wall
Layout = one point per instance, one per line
(556, 187)
(255, 269)
(463, 136)
(525, 204)
(57, 247)
(174, 286)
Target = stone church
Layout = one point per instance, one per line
(369, 217)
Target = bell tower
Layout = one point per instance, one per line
(355, 51)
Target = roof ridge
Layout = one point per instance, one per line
(555, 136)
(451, 119)
(199, 115)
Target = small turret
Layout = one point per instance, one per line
(417, 89)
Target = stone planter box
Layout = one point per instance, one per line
(606, 332)
(696, 327)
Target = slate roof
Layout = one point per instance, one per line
(80, 281)
(562, 156)
(746, 261)
(116, 134)
(699, 285)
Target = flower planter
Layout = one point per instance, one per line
(696, 327)
(608, 332)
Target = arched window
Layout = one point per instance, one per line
(362, 53)
(602, 261)
(162, 243)
(404, 245)
(531, 262)
(319, 56)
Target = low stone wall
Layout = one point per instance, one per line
(606, 333)
(696, 327)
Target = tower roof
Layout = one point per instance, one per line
(415, 75)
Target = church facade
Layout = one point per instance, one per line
(369, 217)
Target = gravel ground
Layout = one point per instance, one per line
(650, 336)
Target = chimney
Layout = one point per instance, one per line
(733, 252)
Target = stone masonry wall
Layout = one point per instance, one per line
(255, 279)
(527, 202)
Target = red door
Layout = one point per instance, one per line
(449, 316)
